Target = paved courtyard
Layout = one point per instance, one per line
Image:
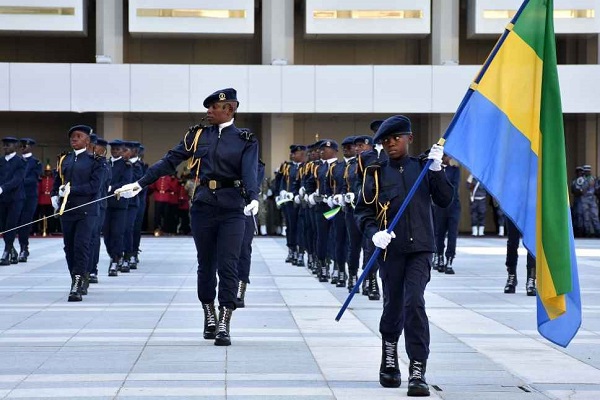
(140, 335)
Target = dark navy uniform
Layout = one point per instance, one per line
(446, 223)
(512, 256)
(139, 219)
(102, 206)
(405, 265)
(116, 212)
(33, 172)
(336, 183)
(84, 173)
(132, 209)
(12, 175)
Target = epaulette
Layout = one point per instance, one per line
(245, 134)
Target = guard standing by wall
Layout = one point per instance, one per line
(12, 194)
(405, 265)
(227, 192)
(33, 172)
(80, 176)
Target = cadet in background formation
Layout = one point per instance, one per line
(33, 171)
(478, 196)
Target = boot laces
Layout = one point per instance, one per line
(241, 289)
(373, 284)
(390, 354)
(210, 316)
(223, 320)
(511, 280)
(530, 282)
(76, 282)
(417, 370)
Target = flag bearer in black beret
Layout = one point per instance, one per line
(80, 175)
(224, 158)
(405, 263)
(12, 195)
(33, 172)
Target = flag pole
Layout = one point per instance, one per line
(421, 176)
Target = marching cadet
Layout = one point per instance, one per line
(226, 194)
(405, 263)
(279, 185)
(246, 250)
(80, 176)
(45, 208)
(310, 231)
(478, 197)
(290, 184)
(12, 194)
(446, 221)
(319, 189)
(337, 182)
(100, 150)
(512, 256)
(129, 154)
(116, 211)
(139, 219)
(33, 171)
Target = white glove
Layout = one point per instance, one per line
(269, 193)
(306, 198)
(311, 199)
(277, 198)
(302, 191)
(436, 153)
(109, 188)
(264, 196)
(289, 196)
(55, 202)
(1, 190)
(381, 239)
(317, 192)
(338, 200)
(64, 190)
(297, 199)
(252, 208)
(128, 191)
(349, 197)
(282, 194)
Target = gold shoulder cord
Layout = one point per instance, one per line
(286, 174)
(331, 177)
(380, 209)
(347, 176)
(316, 175)
(193, 162)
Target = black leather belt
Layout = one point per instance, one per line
(214, 185)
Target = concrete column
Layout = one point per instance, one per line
(277, 31)
(110, 126)
(444, 31)
(109, 30)
(278, 134)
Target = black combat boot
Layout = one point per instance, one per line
(223, 338)
(300, 259)
(119, 263)
(131, 261)
(290, 255)
(316, 266)
(351, 282)
(124, 264)
(309, 262)
(448, 267)
(137, 258)
(241, 294)
(530, 285)
(75, 293)
(5, 260)
(323, 271)
(417, 386)
(327, 263)
(93, 278)
(85, 284)
(365, 286)
(341, 280)
(373, 287)
(440, 265)
(334, 275)
(389, 372)
(113, 267)
(294, 257)
(23, 254)
(210, 320)
(14, 256)
(511, 283)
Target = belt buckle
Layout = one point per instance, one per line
(212, 185)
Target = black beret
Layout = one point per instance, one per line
(297, 147)
(375, 125)
(93, 138)
(348, 140)
(131, 144)
(396, 125)
(83, 128)
(364, 139)
(28, 141)
(228, 94)
(101, 142)
(10, 139)
(142, 148)
(329, 143)
(116, 143)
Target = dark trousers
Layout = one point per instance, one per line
(404, 278)
(323, 231)
(478, 208)
(184, 221)
(114, 231)
(27, 213)
(9, 217)
(161, 215)
(137, 229)
(218, 234)
(53, 224)
(77, 235)
(368, 250)
(300, 230)
(341, 240)
(512, 248)
(308, 230)
(291, 220)
(354, 242)
(312, 214)
(129, 228)
(95, 242)
(446, 222)
(172, 218)
(246, 251)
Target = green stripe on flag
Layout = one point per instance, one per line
(528, 25)
(332, 213)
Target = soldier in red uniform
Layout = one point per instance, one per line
(45, 209)
(160, 190)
